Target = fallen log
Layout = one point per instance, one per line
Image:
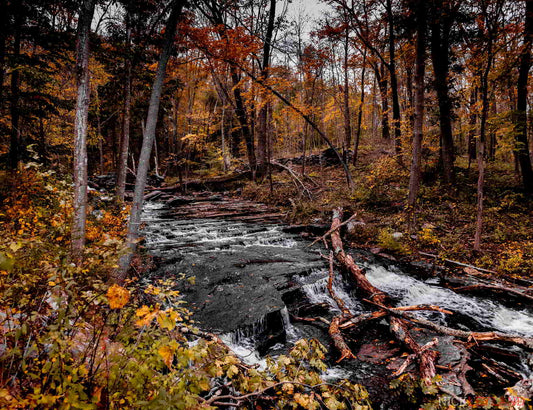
(519, 340)
(399, 327)
(199, 184)
(338, 340)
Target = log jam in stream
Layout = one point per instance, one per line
(260, 287)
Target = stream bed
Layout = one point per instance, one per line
(252, 274)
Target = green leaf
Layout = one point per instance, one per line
(6, 262)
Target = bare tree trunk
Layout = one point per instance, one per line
(242, 116)
(440, 57)
(99, 133)
(383, 86)
(472, 127)
(346, 100)
(14, 147)
(122, 166)
(522, 145)
(3, 39)
(396, 118)
(420, 69)
(481, 151)
(148, 140)
(360, 113)
(80, 129)
(263, 135)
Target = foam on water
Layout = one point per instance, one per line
(315, 287)
(487, 313)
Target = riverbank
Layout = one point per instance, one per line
(445, 218)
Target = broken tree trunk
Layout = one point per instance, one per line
(399, 327)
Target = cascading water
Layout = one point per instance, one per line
(245, 272)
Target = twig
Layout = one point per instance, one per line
(466, 265)
(333, 229)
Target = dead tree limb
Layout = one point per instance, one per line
(338, 340)
(519, 340)
(452, 262)
(333, 230)
(398, 326)
(297, 181)
(346, 314)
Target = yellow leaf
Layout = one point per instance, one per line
(117, 296)
(232, 370)
(167, 353)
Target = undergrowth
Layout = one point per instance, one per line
(446, 216)
(69, 340)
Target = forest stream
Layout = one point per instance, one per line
(249, 275)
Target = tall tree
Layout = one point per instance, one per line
(149, 138)
(396, 118)
(262, 137)
(81, 128)
(14, 148)
(522, 143)
(442, 19)
(488, 24)
(420, 70)
(122, 166)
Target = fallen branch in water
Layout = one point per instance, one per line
(399, 328)
(323, 237)
(519, 340)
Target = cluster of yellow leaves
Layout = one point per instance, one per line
(166, 319)
(117, 296)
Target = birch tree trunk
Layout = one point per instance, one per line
(148, 141)
(80, 129)
(122, 168)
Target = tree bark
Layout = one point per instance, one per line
(440, 57)
(3, 39)
(481, 144)
(383, 86)
(522, 144)
(148, 140)
(262, 137)
(122, 166)
(346, 99)
(81, 129)
(14, 147)
(420, 69)
(396, 118)
(360, 112)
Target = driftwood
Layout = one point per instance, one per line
(399, 327)
(334, 331)
(526, 342)
(401, 320)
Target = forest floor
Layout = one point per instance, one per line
(445, 216)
